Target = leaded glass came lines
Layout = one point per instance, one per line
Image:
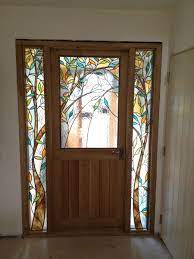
(36, 147)
(141, 139)
(89, 88)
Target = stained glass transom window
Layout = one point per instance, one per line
(141, 139)
(36, 147)
(89, 88)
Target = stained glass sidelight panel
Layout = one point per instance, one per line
(141, 139)
(36, 147)
(89, 88)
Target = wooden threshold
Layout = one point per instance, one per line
(82, 232)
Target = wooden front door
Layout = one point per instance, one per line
(88, 118)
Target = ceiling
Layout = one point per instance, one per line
(97, 4)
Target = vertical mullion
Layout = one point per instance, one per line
(56, 114)
(123, 81)
(129, 130)
(23, 136)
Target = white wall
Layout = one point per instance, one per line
(184, 26)
(53, 23)
(178, 210)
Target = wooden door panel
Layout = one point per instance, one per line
(94, 188)
(116, 191)
(84, 175)
(73, 188)
(60, 191)
(104, 189)
(87, 193)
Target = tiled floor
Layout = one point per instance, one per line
(114, 247)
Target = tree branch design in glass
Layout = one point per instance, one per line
(141, 139)
(89, 88)
(36, 147)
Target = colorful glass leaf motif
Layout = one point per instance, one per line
(89, 89)
(36, 147)
(141, 139)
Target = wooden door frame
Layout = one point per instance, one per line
(46, 45)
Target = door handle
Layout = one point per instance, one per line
(118, 152)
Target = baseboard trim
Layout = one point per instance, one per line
(10, 236)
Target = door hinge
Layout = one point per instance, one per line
(168, 78)
(161, 218)
(164, 151)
